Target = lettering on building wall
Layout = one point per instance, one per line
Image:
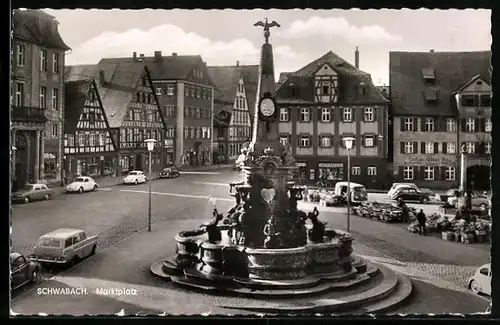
(330, 165)
(429, 160)
(142, 124)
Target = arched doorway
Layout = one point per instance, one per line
(478, 178)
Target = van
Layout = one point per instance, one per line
(358, 191)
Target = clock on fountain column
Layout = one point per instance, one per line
(267, 109)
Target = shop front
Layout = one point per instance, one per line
(94, 166)
(51, 167)
(169, 157)
(139, 160)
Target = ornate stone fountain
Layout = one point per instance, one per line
(264, 240)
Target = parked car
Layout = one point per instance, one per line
(82, 184)
(64, 246)
(480, 282)
(23, 270)
(135, 177)
(169, 172)
(395, 186)
(33, 192)
(478, 202)
(452, 192)
(410, 194)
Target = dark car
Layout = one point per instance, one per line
(24, 270)
(169, 172)
(411, 194)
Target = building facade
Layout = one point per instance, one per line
(37, 97)
(429, 125)
(325, 102)
(186, 95)
(89, 148)
(132, 110)
(236, 87)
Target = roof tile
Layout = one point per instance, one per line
(452, 70)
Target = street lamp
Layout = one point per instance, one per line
(348, 142)
(151, 145)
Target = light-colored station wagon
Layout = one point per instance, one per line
(64, 246)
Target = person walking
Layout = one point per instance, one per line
(421, 222)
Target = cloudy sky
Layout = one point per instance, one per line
(222, 37)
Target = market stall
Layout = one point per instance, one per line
(387, 212)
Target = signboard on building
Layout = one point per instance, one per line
(51, 145)
(330, 165)
(429, 160)
(301, 164)
(142, 124)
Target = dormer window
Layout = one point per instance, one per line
(362, 89)
(325, 88)
(428, 75)
(430, 95)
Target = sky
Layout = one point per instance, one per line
(223, 37)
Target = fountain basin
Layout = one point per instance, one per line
(273, 264)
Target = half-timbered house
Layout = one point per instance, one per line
(321, 104)
(88, 146)
(132, 111)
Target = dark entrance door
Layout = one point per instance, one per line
(478, 178)
(139, 162)
(21, 158)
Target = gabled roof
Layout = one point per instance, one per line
(75, 95)
(468, 83)
(226, 79)
(452, 70)
(349, 77)
(174, 67)
(36, 26)
(118, 87)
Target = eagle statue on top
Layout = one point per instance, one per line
(266, 25)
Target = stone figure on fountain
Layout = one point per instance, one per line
(317, 233)
(212, 229)
(273, 238)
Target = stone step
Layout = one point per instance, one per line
(399, 296)
(353, 301)
(157, 269)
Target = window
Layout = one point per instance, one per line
(305, 115)
(21, 55)
(347, 114)
(143, 98)
(451, 147)
(487, 125)
(19, 94)
(356, 170)
(485, 101)
(429, 124)
(449, 173)
(43, 97)
(408, 124)
(283, 140)
(408, 173)
(43, 60)
(451, 125)
(55, 62)
(325, 115)
(186, 132)
(469, 100)
(429, 147)
(368, 141)
(470, 125)
(170, 90)
(191, 133)
(470, 147)
(325, 142)
(158, 91)
(487, 148)
(372, 171)
(92, 140)
(368, 114)
(54, 131)
(409, 147)
(198, 113)
(325, 88)
(429, 173)
(305, 141)
(55, 99)
(284, 115)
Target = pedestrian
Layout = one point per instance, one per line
(305, 194)
(421, 222)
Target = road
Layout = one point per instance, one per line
(119, 216)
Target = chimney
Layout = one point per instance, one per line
(157, 55)
(356, 58)
(101, 77)
(135, 56)
(432, 51)
(237, 63)
(174, 54)
(141, 57)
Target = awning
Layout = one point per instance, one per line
(48, 155)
